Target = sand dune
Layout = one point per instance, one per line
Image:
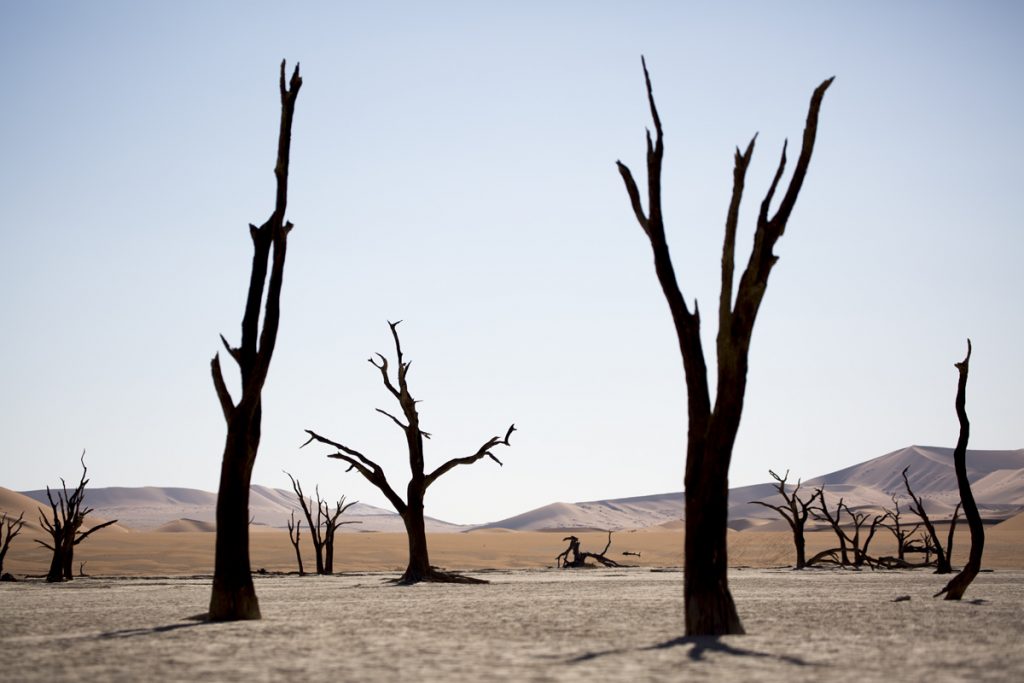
(186, 525)
(997, 480)
(149, 507)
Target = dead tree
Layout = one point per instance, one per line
(859, 519)
(233, 596)
(954, 590)
(579, 557)
(823, 514)
(942, 560)
(411, 508)
(901, 531)
(294, 533)
(67, 517)
(315, 535)
(708, 604)
(331, 524)
(9, 529)
(321, 532)
(795, 512)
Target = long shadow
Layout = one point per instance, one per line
(701, 646)
(197, 620)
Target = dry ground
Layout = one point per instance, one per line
(619, 625)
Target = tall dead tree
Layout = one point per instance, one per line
(233, 596)
(411, 508)
(9, 529)
(942, 560)
(65, 527)
(708, 604)
(294, 534)
(795, 512)
(954, 590)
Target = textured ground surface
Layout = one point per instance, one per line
(618, 625)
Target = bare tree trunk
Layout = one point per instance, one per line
(711, 433)
(418, 568)
(233, 595)
(955, 589)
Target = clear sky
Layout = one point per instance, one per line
(453, 166)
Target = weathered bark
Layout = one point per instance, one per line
(711, 432)
(954, 590)
(68, 515)
(410, 509)
(233, 596)
(795, 512)
(9, 529)
(580, 557)
(932, 542)
(294, 534)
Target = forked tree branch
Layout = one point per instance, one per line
(470, 459)
(370, 470)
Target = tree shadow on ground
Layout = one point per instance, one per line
(700, 647)
(196, 620)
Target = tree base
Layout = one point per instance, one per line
(434, 575)
(235, 604)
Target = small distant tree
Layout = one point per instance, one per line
(331, 524)
(822, 513)
(321, 531)
(956, 587)
(902, 532)
(795, 512)
(233, 595)
(410, 508)
(942, 561)
(708, 605)
(315, 536)
(9, 529)
(64, 526)
(294, 533)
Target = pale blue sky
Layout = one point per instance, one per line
(453, 166)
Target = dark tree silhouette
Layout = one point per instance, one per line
(314, 527)
(902, 532)
(233, 596)
(331, 524)
(410, 509)
(294, 533)
(932, 542)
(708, 604)
(795, 512)
(9, 529)
(322, 531)
(823, 514)
(579, 557)
(67, 518)
(954, 590)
